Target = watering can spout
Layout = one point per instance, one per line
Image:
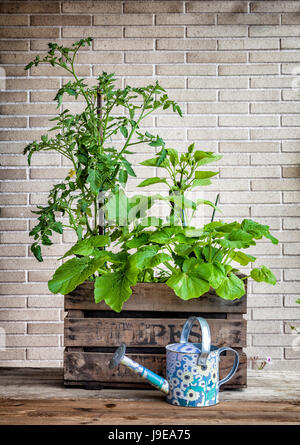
(154, 379)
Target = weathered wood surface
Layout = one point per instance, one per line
(156, 412)
(93, 366)
(155, 297)
(143, 332)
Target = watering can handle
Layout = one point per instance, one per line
(185, 333)
(234, 367)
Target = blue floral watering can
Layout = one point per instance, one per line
(192, 368)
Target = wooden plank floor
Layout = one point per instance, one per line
(37, 397)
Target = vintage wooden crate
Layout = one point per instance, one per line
(150, 319)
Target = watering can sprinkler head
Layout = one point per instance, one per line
(118, 356)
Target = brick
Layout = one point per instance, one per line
(290, 95)
(185, 19)
(273, 159)
(218, 108)
(247, 70)
(45, 328)
(16, 199)
(128, 19)
(273, 340)
(261, 327)
(275, 108)
(12, 225)
(185, 44)
(291, 172)
(99, 31)
(187, 121)
(31, 340)
(274, 6)
(17, 251)
(28, 7)
(32, 84)
(248, 121)
(13, 328)
(123, 45)
(290, 68)
(292, 249)
(290, 43)
(218, 134)
(248, 19)
(216, 57)
(44, 354)
(60, 20)
(254, 172)
(13, 97)
(30, 315)
(12, 354)
(290, 121)
(48, 301)
(291, 223)
(249, 197)
(250, 96)
(153, 7)
(13, 122)
(27, 186)
(186, 70)
(170, 82)
(276, 184)
(217, 6)
(154, 31)
(154, 57)
(124, 70)
(23, 33)
(270, 82)
(273, 56)
(12, 302)
(217, 82)
(274, 31)
(248, 43)
(12, 277)
(292, 274)
(281, 133)
(110, 7)
(13, 45)
(246, 146)
(264, 301)
(217, 31)
(13, 20)
(282, 210)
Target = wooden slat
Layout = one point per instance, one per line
(143, 332)
(93, 366)
(155, 297)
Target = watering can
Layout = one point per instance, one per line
(192, 377)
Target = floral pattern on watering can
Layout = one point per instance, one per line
(192, 384)
(193, 368)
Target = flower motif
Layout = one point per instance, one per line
(175, 381)
(179, 373)
(178, 392)
(205, 370)
(187, 377)
(192, 395)
(214, 376)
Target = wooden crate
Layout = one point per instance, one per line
(150, 319)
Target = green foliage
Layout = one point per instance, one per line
(131, 246)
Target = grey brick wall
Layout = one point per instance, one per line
(233, 66)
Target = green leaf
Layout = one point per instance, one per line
(36, 250)
(237, 239)
(163, 236)
(298, 301)
(205, 174)
(218, 274)
(57, 227)
(124, 131)
(258, 230)
(242, 258)
(72, 273)
(87, 246)
(200, 182)
(115, 287)
(128, 167)
(138, 241)
(187, 286)
(94, 179)
(123, 176)
(151, 181)
(232, 287)
(173, 155)
(263, 274)
(162, 156)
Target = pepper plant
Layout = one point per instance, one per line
(133, 246)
